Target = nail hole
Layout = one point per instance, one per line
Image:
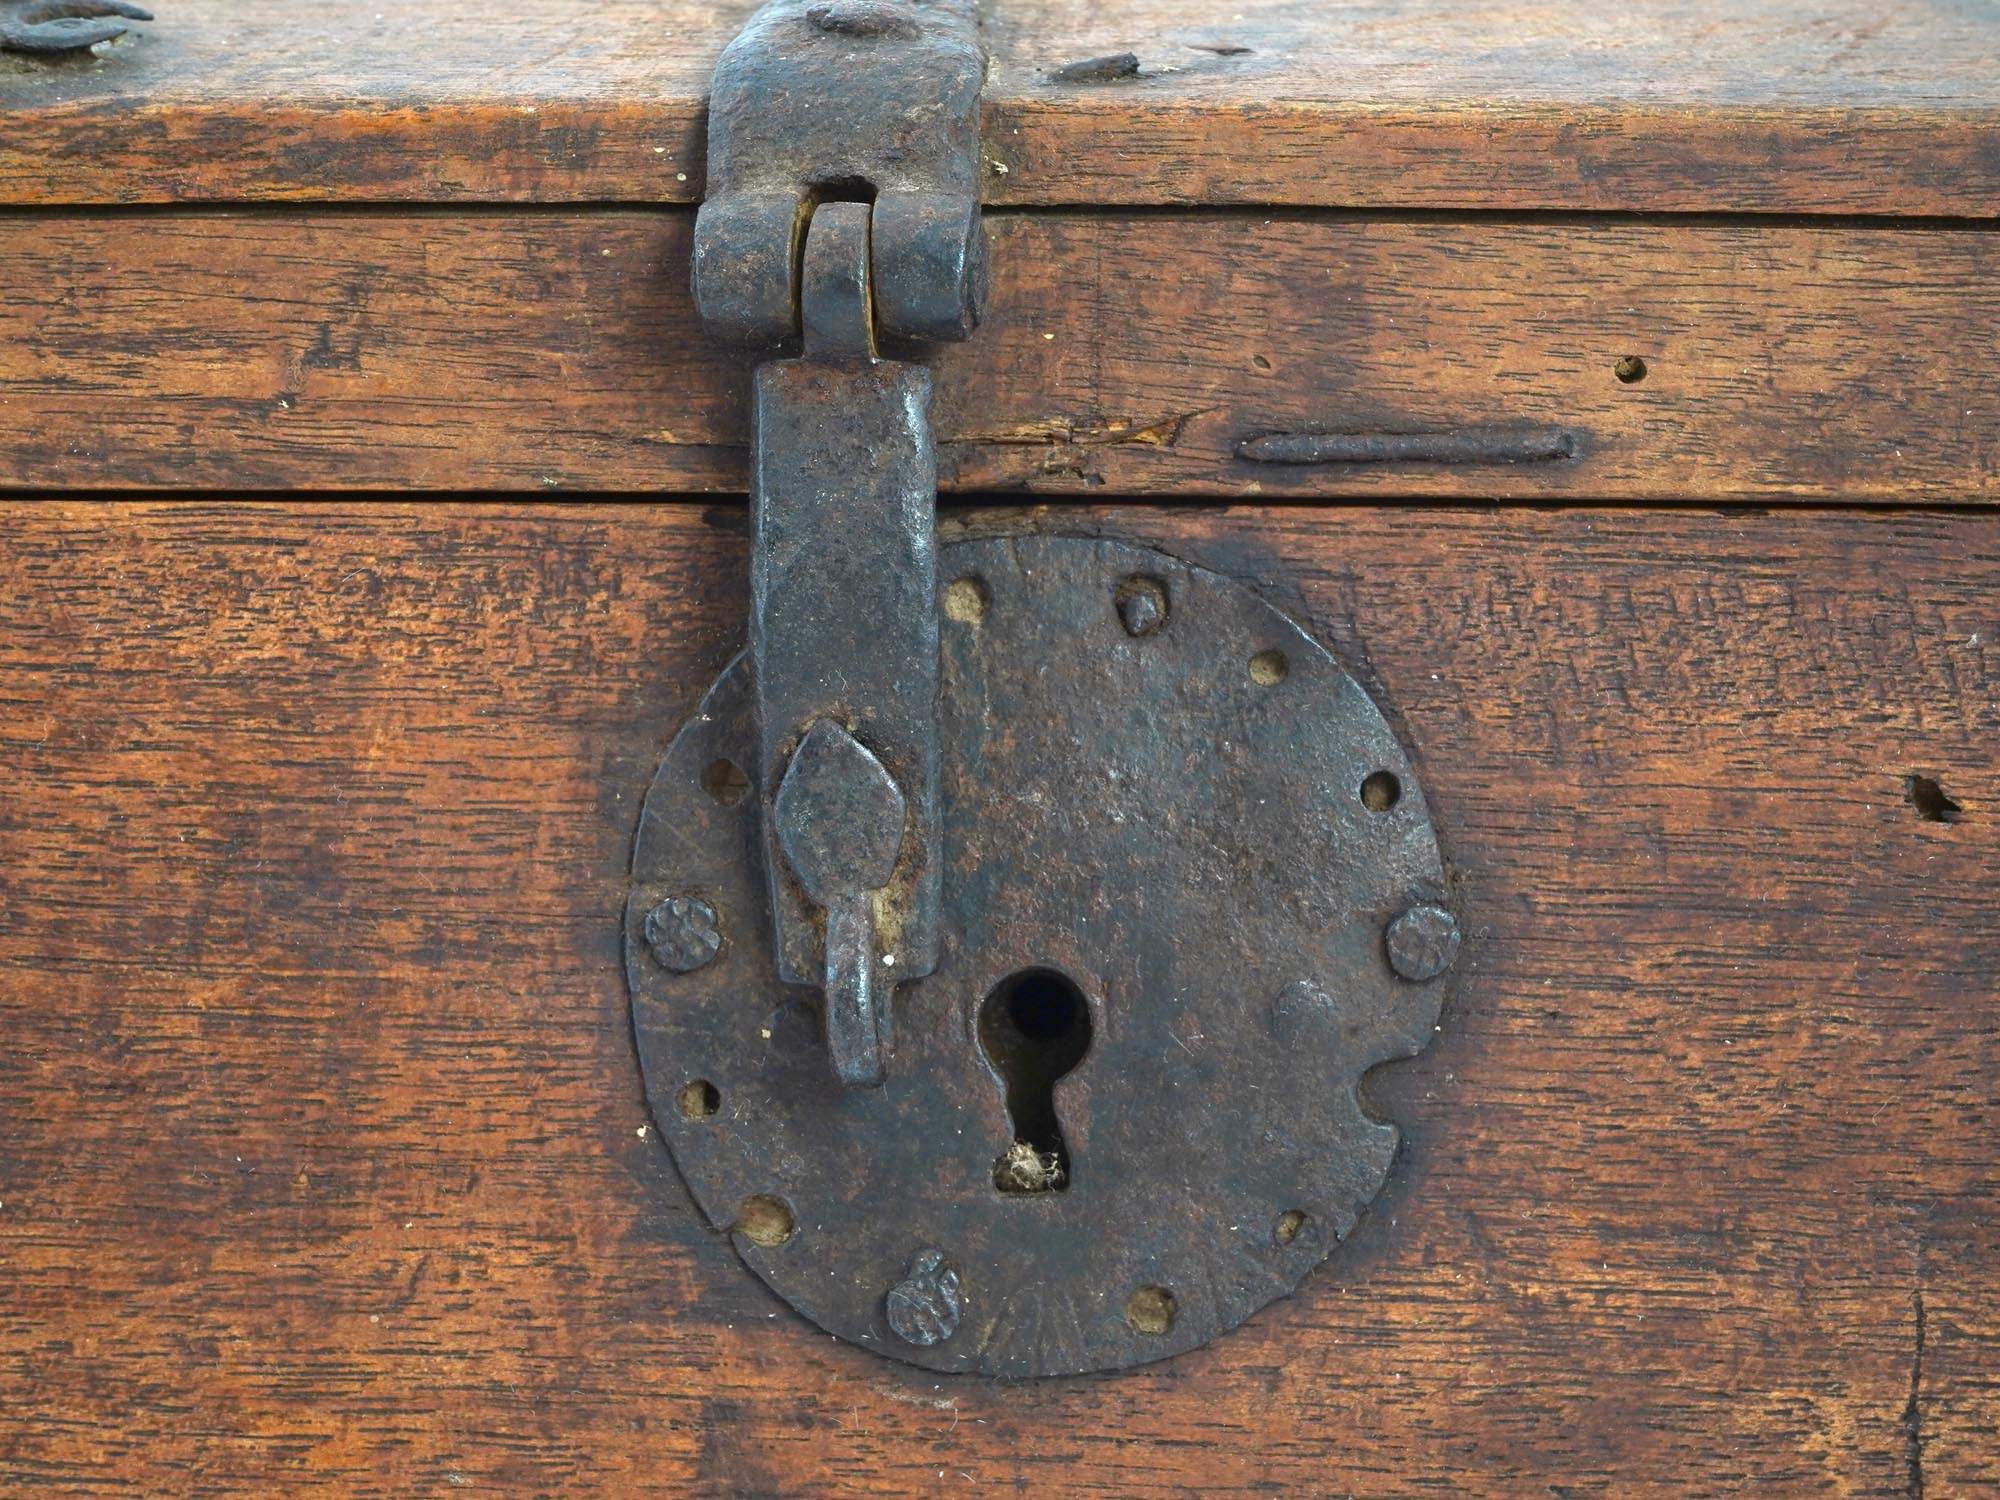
(1260, 362)
(724, 780)
(764, 1220)
(1929, 799)
(699, 1100)
(1150, 1310)
(1630, 370)
(1290, 1222)
(1381, 791)
(966, 599)
(1034, 1029)
(1268, 668)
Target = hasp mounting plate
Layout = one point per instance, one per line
(1191, 894)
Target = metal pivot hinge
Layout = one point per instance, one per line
(843, 201)
(53, 26)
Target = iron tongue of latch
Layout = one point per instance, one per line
(874, 104)
(844, 634)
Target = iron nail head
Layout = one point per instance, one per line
(1142, 606)
(924, 1306)
(1422, 942)
(683, 934)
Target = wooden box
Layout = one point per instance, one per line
(375, 516)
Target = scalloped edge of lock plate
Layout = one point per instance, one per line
(1220, 1143)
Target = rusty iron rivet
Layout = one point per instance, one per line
(863, 18)
(1098, 69)
(56, 26)
(682, 933)
(1142, 606)
(924, 1306)
(1141, 614)
(1422, 942)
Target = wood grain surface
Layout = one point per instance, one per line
(1832, 106)
(326, 1169)
(558, 350)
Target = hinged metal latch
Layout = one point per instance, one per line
(851, 126)
(55, 26)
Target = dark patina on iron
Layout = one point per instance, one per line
(52, 26)
(1098, 69)
(1124, 1112)
(844, 629)
(819, 100)
(842, 201)
(1460, 445)
(1149, 866)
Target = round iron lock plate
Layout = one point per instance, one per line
(1191, 895)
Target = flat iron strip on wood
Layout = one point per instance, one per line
(1808, 106)
(327, 1169)
(559, 351)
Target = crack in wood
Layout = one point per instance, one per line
(1158, 432)
(1913, 1410)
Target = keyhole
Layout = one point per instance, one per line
(1034, 1028)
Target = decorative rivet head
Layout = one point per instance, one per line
(682, 933)
(863, 18)
(924, 1306)
(1142, 606)
(1422, 942)
(1301, 1008)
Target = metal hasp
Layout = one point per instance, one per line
(843, 199)
(1149, 864)
(48, 26)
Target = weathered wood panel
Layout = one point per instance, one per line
(325, 1167)
(1834, 106)
(559, 351)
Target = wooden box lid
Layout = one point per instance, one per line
(1693, 250)
(1765, 106)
